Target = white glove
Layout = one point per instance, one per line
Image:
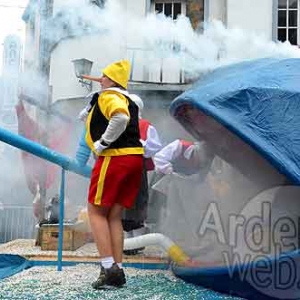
(143, 142)
(99, 147)
(83, 114)
(167, 170)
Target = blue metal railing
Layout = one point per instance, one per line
(45, 153)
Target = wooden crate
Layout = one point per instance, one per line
(73, 238)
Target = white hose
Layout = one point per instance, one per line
(150, 239)
(174, 251)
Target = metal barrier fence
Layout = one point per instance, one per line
(52, 156)
(16, 222)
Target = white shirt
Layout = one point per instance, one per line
(152, 144)
(164, 158)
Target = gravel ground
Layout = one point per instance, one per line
(28, 249)
(74, 283)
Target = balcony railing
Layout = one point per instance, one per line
(149, 67)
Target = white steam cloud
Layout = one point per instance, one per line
(161, 37)
(157, 37)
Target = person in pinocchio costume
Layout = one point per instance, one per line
(112, 133)
(135, 217)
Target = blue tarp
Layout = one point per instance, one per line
(256, 104)
(12, 264)
(258, 101)
(258, 280)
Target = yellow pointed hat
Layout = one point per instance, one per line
(118, 72)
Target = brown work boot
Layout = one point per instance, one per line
(110, 278)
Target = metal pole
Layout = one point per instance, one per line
(61, 220)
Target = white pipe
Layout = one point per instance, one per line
(174, 251)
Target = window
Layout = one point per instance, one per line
(288, 21)
(169, 8)
(99, 3)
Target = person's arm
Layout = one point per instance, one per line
(152, 144)
(88, 77)
(163, 159)
(203, 152)
(84, 113)
(116, 111)
(116, 126)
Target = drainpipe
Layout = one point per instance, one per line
(225, 13)
(45, 11)
(147, 7)
(206, 11)
(274, 20)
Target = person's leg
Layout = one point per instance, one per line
(98, 217)
(116, 232)
(142, 205)
(130, 217)
(101, 198)
(108, 235)
(104, 187)
(128, 192)
(135, 217)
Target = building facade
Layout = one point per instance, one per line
(10, 77)
(9, 87)
(56, 37)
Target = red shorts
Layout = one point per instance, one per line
(116, 179)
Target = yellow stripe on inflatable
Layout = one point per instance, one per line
(176, 254)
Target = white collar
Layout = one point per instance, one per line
(116, 89)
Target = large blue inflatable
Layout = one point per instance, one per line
(258, 101)
(250, 114)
